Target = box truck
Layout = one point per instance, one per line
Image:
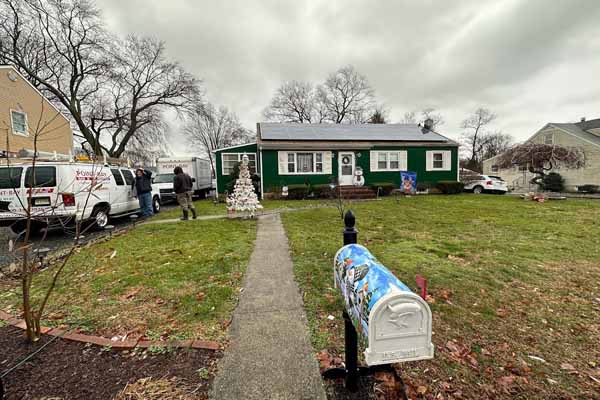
(197, 168)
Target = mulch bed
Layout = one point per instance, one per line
(72, 370)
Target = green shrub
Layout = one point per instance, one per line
(553, 182)
(588, 188)
(423, 186)
(450, 187)
(297, 192)
(322, 191)
(386, 187)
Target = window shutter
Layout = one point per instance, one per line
(282, 158)
(429, 161)
(327, 162)
(447, 160)
(403, 162)
(373, 156)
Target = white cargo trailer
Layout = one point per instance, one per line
(197, 168)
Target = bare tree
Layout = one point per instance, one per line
(293, 101)
(379, 116)
(61, 47)
(144, 85)
(346, 96)
(112, 89)
(495, 143)
(475, 134)
(541, 158)
(210, 128)
(409, 118)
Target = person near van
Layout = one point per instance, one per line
(142, 189)
(182, 184)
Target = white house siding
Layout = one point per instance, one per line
(589, 174)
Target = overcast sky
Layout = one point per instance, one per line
(529, 61)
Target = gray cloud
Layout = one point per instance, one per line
(530, 61)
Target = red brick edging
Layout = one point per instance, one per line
(114, 344)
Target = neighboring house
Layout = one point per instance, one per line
(286, 154)
(584, 135)
(25, 111)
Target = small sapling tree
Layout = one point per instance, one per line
(26, 252)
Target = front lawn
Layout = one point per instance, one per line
(163, 281)
(208, 207)
(515, 289)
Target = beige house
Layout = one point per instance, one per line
(585, 135)
(26, 114)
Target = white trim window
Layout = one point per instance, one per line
(549, 138)
(304, 162)
(229, 160)
(438, 160)
(389, 161)
(18, 120)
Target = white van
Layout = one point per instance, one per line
(65, 192)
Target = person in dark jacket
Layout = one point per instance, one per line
(142, 189)
(182, 184)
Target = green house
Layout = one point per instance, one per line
(286, 154)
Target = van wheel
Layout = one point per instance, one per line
(18, 227)
(478, 189)
(156, 204)
(100, 216)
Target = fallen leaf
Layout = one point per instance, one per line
(567, 367)
(324, 359)
(200, 296)
(536, 358)
(421, 390)
(501, 312)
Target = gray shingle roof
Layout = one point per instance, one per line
(591, 124)
(576, 130)
(348, 132)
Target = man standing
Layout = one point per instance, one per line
(182, 184)
(142, 189)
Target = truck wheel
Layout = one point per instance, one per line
(156, 204)
(100, 216)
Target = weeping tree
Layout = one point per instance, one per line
(541, 158)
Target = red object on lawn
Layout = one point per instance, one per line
(422, 284)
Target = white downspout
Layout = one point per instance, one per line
(262, 174)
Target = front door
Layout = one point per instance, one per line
(345, 168)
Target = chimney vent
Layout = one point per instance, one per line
(428, 124)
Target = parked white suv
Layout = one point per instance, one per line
(67, 192)
(484, 183)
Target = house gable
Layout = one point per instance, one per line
(23, 111)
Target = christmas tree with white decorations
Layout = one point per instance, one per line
(243, 199)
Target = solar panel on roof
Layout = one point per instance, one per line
(353, 132)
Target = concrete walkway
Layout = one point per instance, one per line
(219, 216)
(270, 355)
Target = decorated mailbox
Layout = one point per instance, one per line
(393, 322)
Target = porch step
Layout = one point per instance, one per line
(352, 192)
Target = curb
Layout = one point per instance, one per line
(114, 344)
